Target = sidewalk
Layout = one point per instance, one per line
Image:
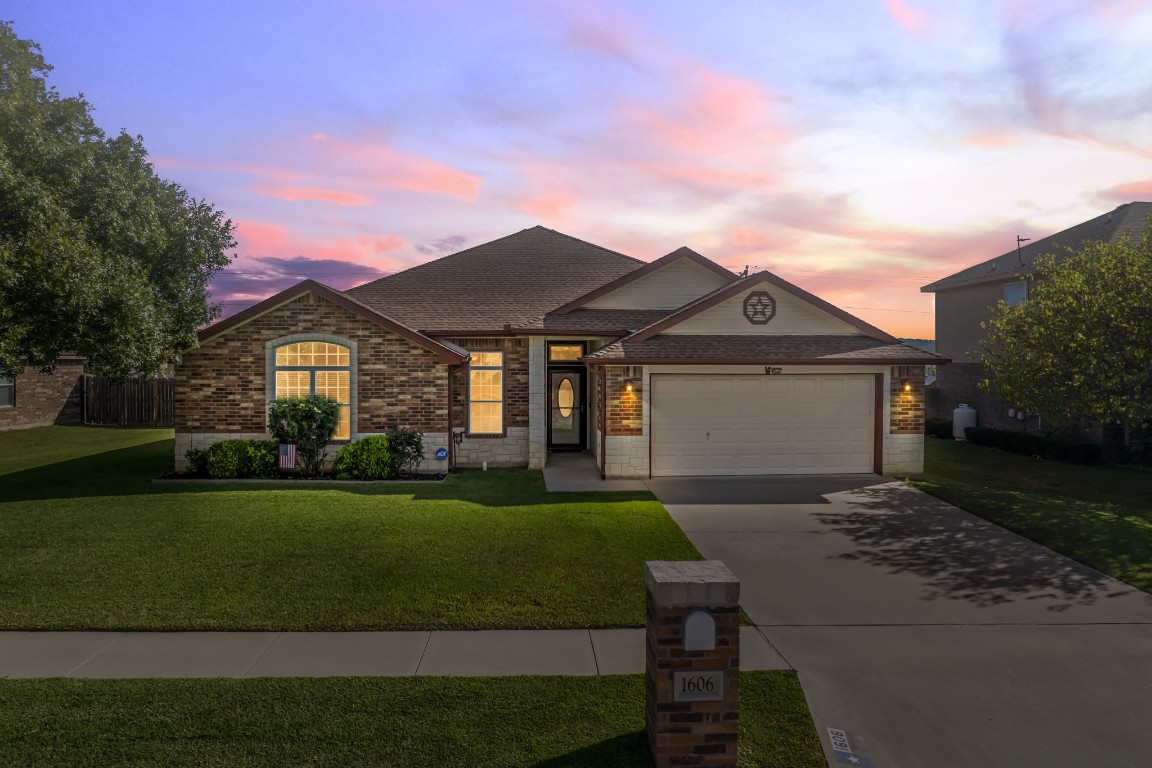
(583, 652)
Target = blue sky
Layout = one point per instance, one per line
(859, 148)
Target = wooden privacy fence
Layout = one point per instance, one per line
(135, 402)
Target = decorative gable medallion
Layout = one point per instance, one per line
(759, 307)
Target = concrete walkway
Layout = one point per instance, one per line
(580, 652)
(932, 637)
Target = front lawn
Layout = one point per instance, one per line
(88, 542)
(412, 722)
(1099, 516)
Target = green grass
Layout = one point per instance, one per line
(545, 722)
(88, 542)
(1099, 516)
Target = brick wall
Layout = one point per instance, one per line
(906, 413)
(624, 410)
(47, 398)
(516, 386)
(221, 386)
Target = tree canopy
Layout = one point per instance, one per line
(1079, 350)
(98, 256)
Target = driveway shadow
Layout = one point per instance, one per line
(769, 489)
(960, 556)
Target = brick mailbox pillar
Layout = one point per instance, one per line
(693, 663)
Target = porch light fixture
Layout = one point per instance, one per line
(631, 385)
(907, 385)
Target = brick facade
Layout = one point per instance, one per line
(624, 410)
(906, 401)
(221, 387)
(516, 387)
(47, 398)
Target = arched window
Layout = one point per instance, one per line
(317, 368)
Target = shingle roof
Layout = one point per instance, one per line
(763, 349)
(515, 281)
(1129, 218)
(619, 320)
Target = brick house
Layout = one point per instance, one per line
(965, 300)
(538, 342)
(35, 399)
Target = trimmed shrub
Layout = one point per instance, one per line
(308, 423)
(941, 428)
(1045, 446)
(368, 458)
(407, 447)
(197, 461)
(262, 458)
(226, 458)
(241, 459)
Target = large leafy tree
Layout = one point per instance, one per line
(98, 255)
(1079, 350)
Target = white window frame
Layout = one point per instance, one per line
(1024, 298)
(270, 369)
(503, 388)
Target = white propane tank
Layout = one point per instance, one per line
(964, 416)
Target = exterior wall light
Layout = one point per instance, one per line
(907, 385)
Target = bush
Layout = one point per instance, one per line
(308, 423)
(369, 458)
(197, 461)
(407, 447)
(941, 428)
(1045, 446)
(236, 459)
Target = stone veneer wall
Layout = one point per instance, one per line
(511, 448)
(220, 388)
(47, 398)
(537, 402)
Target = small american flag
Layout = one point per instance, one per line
(287, 456)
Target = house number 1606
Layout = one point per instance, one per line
(698, 685)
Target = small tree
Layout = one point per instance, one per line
(1079, 350)
(308, 423)
(407, 447)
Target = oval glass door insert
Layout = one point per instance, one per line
(565, 398)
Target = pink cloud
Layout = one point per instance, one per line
(914, 21)
(992, 140)
(1118, 10)
(1128, 192)
(297, 194)
(259, 239)
(378, 164)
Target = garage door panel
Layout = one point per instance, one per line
(749, 425)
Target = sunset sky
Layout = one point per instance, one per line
(858, 148)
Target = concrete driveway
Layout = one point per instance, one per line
(928, 635)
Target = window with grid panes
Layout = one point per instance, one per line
(317, 368)
(486, 393)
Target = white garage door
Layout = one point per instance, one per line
(761, 425)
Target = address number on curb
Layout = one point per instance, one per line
(698, 685)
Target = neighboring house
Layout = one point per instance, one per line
(539, 342)
(965, 300)
(35, 399)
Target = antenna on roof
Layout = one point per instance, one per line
(745, 272)
(1019, 240)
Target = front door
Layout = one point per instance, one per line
(566, 424)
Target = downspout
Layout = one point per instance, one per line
(451, 436)
(603, 420)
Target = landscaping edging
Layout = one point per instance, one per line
(288, 481)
